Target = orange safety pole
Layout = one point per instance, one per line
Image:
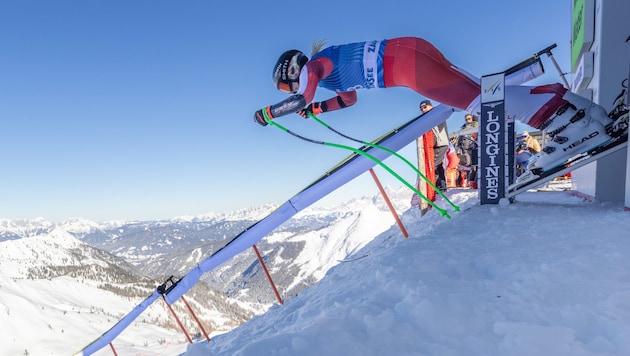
(113, 349)
(196, 319)
(389, 204)
(178, 321)
(273, 286)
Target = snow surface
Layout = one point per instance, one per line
(58, 316)
(548, 275)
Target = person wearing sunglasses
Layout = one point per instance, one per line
(469, 121)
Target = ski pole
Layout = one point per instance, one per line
(547, 51)
(394, 153)
(362, 153)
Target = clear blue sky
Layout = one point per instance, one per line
(143, 109)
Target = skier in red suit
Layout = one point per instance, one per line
(415, 63)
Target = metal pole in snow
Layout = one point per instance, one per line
(262, 263)
(389, 204)
(196, 319)
(178, 321)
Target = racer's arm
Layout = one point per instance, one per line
(314, 71)
(317, 70)
(342, 100)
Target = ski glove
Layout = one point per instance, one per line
(259, 116)
(315, 108)
(289, 105)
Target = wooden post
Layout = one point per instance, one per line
(181, 326)
(196, 319)
(389, 204)
(262, 263)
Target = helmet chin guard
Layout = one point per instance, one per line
(286, 72)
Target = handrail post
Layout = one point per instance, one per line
(389, 204)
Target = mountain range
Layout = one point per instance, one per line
(98, 271)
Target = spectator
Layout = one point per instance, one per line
(521, 158)
(451, 162)
(440, 146)
(467, 149)
(470, 121)
(532, 144)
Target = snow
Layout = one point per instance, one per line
(329, 245)
(59, 316)
(547, 275)
(62, 315)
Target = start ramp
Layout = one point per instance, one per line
(342, 173)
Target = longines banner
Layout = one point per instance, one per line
(492, 140)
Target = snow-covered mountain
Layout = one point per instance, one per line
(55, 290)
(63, 284)
(548, 275)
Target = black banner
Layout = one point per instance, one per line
(493, 173)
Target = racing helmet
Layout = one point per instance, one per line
(286, 72)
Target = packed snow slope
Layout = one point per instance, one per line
(548, 275)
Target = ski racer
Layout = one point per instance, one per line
(575, 123)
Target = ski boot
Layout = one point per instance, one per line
(619, 114)
(578, 126)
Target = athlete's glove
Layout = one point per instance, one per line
(314, 108)
(259, 117)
